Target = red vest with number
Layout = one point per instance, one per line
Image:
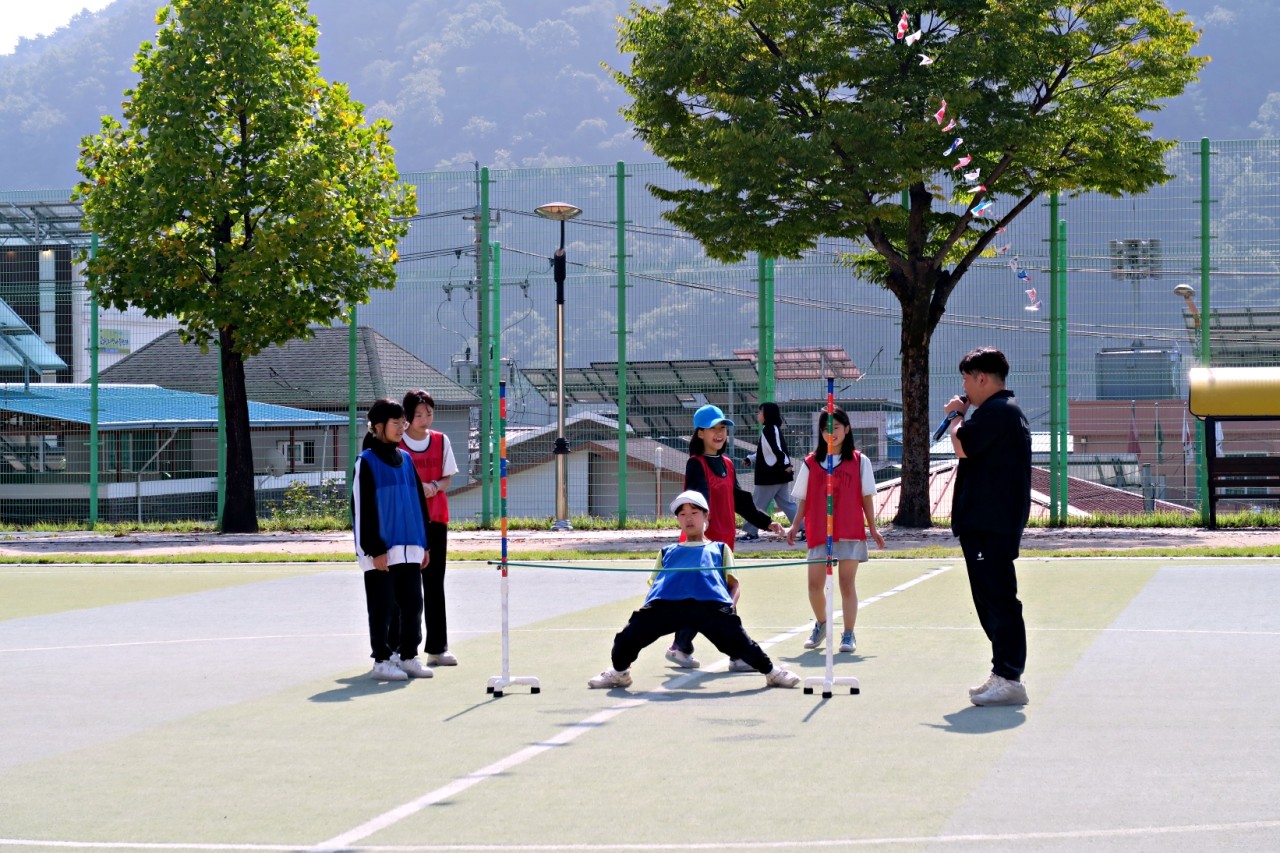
(722, 517)
(430, 466)
(846, 503)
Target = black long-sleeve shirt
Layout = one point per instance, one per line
(743, 504)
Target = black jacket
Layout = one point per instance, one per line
(781, 471)
(993, 482)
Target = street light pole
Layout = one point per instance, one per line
(562, 213)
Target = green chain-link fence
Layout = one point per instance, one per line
(476, 304)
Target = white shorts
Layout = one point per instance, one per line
(841, 549)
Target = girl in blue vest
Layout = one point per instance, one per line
(854, 488)
(689, 590)
(390, 524)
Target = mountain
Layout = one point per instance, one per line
(507, 83)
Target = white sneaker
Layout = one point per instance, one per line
(736, 665)
(445, 658)
(984, 686)
(1002, 692)
(611, 678)
(385, 670)
(414, 667)
(681, 659)
(782, 678)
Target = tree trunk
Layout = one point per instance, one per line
(240, 514)
(913, 497)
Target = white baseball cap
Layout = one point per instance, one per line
(689, 497)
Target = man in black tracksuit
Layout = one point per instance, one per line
(990, 507)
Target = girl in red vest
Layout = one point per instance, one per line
(433, 458)
(854, 488)
(711, 473)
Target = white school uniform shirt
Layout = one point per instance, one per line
(800, 488)
(450, 465)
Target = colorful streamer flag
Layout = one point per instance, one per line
(914, 37)
(980, 209)
(1031, 294)
(951, 149)
(1022, 275)
(962, 162)
(927, 60)
(972, 176)
(1035, 306)
(1004, 249)
(980, 188)
(1013, 263)
(951, 125)
(903, 25)
(941, 113)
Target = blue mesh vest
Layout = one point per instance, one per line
(400, 519)
(702, 586)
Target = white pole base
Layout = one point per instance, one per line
(497, 683)
(829, 682)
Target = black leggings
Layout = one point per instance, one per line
(394, 597)
(715, 620)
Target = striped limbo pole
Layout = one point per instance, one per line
(829, 680)
(498, 682)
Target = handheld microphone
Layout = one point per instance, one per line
(946, 422)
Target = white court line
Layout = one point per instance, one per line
(812, 844)
(1031, 629)
(178, 642)
(568, 735)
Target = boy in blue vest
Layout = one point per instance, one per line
(390, 523)
(684, 597)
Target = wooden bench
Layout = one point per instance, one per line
(1223, 394)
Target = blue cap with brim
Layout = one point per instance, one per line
(709, 416)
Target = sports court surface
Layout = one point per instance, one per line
(192, 708)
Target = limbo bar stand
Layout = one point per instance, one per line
(498, 683)
(829, 680)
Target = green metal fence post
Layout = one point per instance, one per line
(764, 328)
(1058, 320)
(495, 358)
(93, 395)
(621, 228)
(482, 348)
(1206, 320)
(1055, 375)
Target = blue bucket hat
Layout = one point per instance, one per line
(709, 416)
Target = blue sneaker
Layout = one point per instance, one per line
(847, 642)
(816, 637)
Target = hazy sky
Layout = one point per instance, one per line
(31, 18)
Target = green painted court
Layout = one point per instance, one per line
(226, 708)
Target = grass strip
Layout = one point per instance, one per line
(562, 555)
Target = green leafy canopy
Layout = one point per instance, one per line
(243, 193)
(803, 118)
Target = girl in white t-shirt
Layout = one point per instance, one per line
(854, 488)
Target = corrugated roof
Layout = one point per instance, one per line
(310, 374)
(144, 407)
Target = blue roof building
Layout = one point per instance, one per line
(157, 451)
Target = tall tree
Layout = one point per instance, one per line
(243, 194)
(810, 118)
